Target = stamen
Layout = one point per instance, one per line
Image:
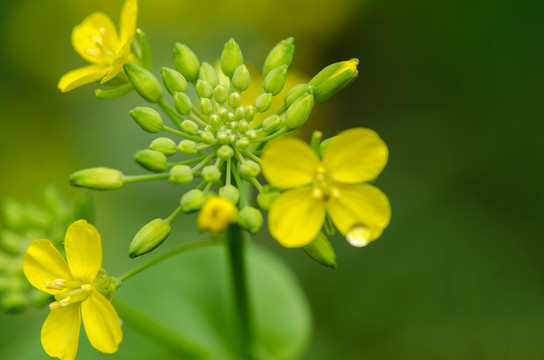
(98, 40)
(87, 287)
(317, 193)
(58, 284)
(335, 193)
(92, 52)
(61, 303)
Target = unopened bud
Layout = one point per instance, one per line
(151, 160)
(220, 94)
(230, 192)
(164, 145)
(249, 112)
(250, 219)
(263, 102)
(216, 214)
(320, 249)
(225, 152)
(189, 126)
(183, 103)
(275, 80)
(193, 200)
(173, 81)
(242, 143)
(148, 119)
(235, 100)
(187, 147)
(181, 175)
(296, 92)
(271, 123)
(241, 78)
(99, 178)
(298, 112)
(267, 197)
(204, 89)
(231, 58)
(207, 137)
(211, 173)
(249, 169)
(334, 78)
(281, 54)
(186, 62)
(149, 237)
(206, 106)
(144, 82)
(208, 73)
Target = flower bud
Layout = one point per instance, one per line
(230, 192)
(320, 249)
(235, 100)
(182, 103)
(334, 78)
(220, 94)
(144, 82)
(164, 145)
(204, 89)
(216, 214)
(263, 102)
(242, 143)
(249, 169)
(231, 58)
(189, 126)
(298, 112)
(249, 112)
(173, 81)
(250, 219)
(275, 80)
(297, 92)
(208, 73)
(99, 178)
(207, 137)
(149, 237)
(215, 120)
(181, 175)
(281, 54)
(148, 119)
(251, 134)
(242, 126)
(206, 106)
(239, 113)
(211, 173)
(271, 123)
(225, 152)
(187, 147)
(192, 200)
(151, 160)
(241, 78)
(267, 197)
(186, 62)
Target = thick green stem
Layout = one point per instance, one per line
(236, 253)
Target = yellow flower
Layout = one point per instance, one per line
(81, 290)
(334, 186)
(216, 214)
(97, 41)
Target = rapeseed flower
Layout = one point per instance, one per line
(98, 42)
(216, 214)
(335, 186)
(82, 291)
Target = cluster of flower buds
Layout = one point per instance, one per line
(23, 222)
(222, 125)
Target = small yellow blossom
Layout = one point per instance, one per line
(97, 41)
(334, 186)
(216, 214)
(81, 289)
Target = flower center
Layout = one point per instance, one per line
(323, 186)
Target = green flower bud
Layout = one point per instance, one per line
(281, 54)
(296, 92)
(149, 237)
(173, 81)
(249, 112)
(182, 103)
(144, 82)
(225, 152)
(275, 80)
(250, 219)
(241, 78)
(151, 160)
(211, 173)
(181, 175)
(230, 192)
(271, 123)
(298, 112)
(215, 120)
(208, 73)
(242, 126)
(220, 94)
(235, 100)
(223, 114)
(263, 102)
(148, 119)
(164, 145)
(251, 134)
(242, 143)
(249, 169)
(240, 113)
(204, 89)
(186, 62)
(320, 249)
(206, 106)
(99, 178)
(267, 197)
(189, 126)
(231, 58)
(334, 78)
(192, 200)
(207, 137)
(187, 147)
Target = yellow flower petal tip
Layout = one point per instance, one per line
(334, 185)
(216, 214)
(96, 40)
(82, 292)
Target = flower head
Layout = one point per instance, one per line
(216, 214)
(82, 291)
(98, 42)
(334, 186)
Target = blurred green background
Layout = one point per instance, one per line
(455, 90)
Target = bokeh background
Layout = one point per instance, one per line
(454, 88)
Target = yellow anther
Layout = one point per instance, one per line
(58, 284)
(335, 192)
(317, 193)
(87, 287)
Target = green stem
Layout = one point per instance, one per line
(140, 178)
(169, 110)
(271, 136)
(236, 253)
(158, 333)
(180, 133)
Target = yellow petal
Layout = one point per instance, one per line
(81, 76)
(95, 38)
(127, 23)
(102, 324)
(355, 156)
(296, 217)
(60, 332)
(42, 263)
(83, 250)
(289, 163)
(360, 205)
